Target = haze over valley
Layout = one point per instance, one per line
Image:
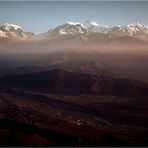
(88, 47)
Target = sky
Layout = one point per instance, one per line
(40, 16)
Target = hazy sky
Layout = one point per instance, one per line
(40, 16)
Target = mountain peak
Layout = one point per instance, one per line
(137, 25)
(69, 28)
(93, 26)
(73, 23)
(90, 23)
(11, 31)
(9, 27)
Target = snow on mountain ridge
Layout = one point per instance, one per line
(137, 30)
(11, 31)
(90, 23)
(8, 27)
(69, 28)
(138, 27)
(73, 23)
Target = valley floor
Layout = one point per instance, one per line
(88, 120)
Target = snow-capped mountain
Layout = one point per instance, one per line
(93, 26)
(11, 31)
(85, 30)
(74, 28)
(136, 30)
(69, 28)
(11, 27)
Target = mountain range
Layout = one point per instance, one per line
(85, 30)
(11, 31)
